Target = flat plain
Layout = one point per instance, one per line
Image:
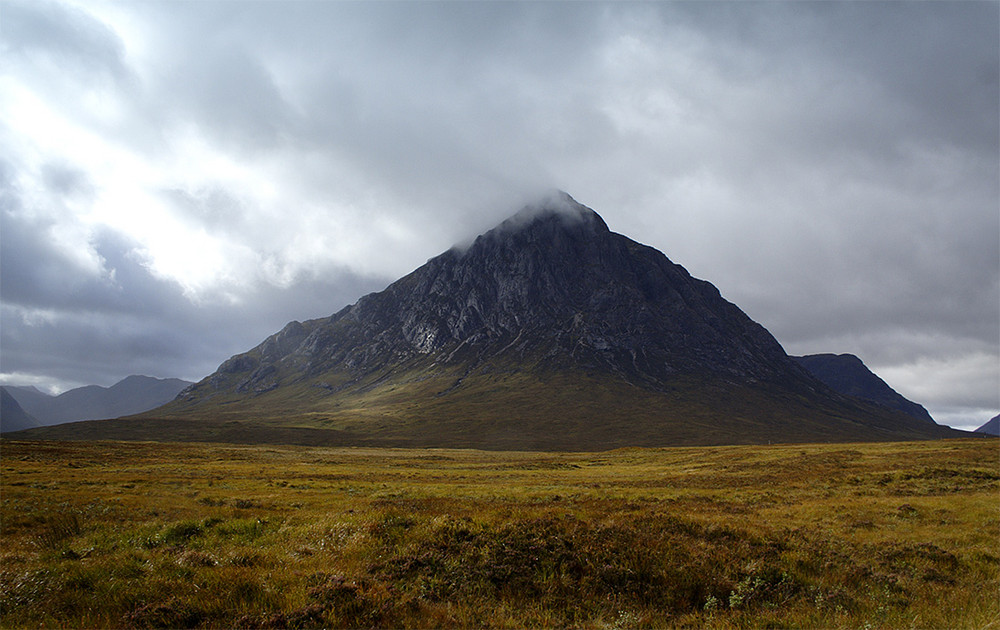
(126, 534)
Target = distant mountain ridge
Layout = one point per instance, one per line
(848, 374)
(133, 394)
(12, 416)
(992, 426)
(548, 332)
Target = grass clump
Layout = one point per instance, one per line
(56, 530)
(180, 533)
(172, 613)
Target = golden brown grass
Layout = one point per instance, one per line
(106, 534)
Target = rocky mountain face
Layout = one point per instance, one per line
(849, 375)
(549, 331)
(551, 285)
(131, 395)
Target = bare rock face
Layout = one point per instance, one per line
(552, 284)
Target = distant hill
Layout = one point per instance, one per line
(30, 398)
(549, 332)
(847, 374)
(992, 427)
(12, 416)
(131, 395)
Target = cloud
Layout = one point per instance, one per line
(55, 38)
(966, 379)
(99, 328)
(215, 167)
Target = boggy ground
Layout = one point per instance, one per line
(143, 535)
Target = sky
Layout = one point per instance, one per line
(180, 179)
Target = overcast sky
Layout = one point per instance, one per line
(179, 179)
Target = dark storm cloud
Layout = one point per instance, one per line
(832, 167)
(907, 54)
(38, 270)
(86, 329)
(397, 97)
(868, 174)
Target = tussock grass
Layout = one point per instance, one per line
(57, 529)
(142, 535)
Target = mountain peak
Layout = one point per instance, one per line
(555, 208)
(551, 285)
(547, 219)
(548, 331)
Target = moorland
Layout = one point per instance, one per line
(142, 534)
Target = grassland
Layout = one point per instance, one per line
(126, 534)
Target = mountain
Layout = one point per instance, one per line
(31, 399)
(847, 374)
(547, 332)
(992, 427)
(131, 395)
(12, 416)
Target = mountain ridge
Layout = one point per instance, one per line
(991, 426)
(12, 416)
(131, 395)
(848, 374)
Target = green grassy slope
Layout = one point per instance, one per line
(508, 409)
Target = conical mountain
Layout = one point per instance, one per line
(552, 286)
(547, 332)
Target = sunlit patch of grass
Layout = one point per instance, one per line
(166, 535)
